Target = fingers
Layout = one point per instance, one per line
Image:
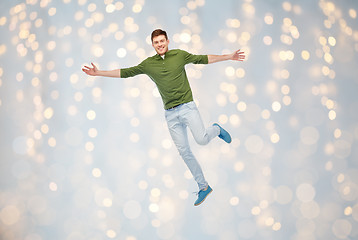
(240, 55)
(239, 52)
(88, 69)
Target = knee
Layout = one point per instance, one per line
(202, 140)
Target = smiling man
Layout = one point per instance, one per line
(167, 70)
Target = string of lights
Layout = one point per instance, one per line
(91, 158)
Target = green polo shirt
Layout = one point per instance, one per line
(168, 74)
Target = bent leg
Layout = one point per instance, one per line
(193, 120)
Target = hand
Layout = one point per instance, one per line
(238, 56)
(90, 71)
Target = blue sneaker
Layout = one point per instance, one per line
(202, 196)
(224, 135)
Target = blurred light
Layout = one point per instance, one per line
(111, 233)
(250, 89)
(143, 185)
(156, 223)
(275, 138)
(276, 226)
(332, 115)
(231, 37)
(276, 106)
(89, 146)
(191, 5)
(10, 215)
(131, 45)
(305, 55)
(91, 115)
(246, 36)
(268, 19)
(97, 51)
(255, 211)
(348, 211)
(352, 13)
(285, 74)
(235, 120)
(137, 8)
(153, 207)
(92, 132)
(48, 113)
(269, 221)
(332, 41)
(241, 106)
(185, 37)
(52, 142)
(286, 100)
(233, 23)
(96, 172)
(341, 228)
(267, 40)
(234, 201)
(3, 21)
(239, 166)
(248, 8)
(53, 186)
(52, 11)
(121, 52)
(134, 137)
(287, 6)
(305, 192)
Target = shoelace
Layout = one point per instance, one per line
(197, 193)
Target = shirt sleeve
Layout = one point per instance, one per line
(196, 59)
(132, 71)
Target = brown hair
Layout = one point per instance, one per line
(157, 33)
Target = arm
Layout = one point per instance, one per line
(237, 56)
(95, 72)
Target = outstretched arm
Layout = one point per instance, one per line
(237, 56)
(93, 71)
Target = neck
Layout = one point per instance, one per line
(163, 53)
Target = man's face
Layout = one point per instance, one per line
(160, 44)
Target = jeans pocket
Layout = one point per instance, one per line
(191, 105)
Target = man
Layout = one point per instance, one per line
(167, 70)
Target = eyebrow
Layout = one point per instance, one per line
(161, 40)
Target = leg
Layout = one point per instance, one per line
(192, 119)
(179, 135)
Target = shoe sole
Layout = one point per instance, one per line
(203, 199)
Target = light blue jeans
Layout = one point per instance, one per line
(178, 119)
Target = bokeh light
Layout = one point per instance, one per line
(92, 158)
